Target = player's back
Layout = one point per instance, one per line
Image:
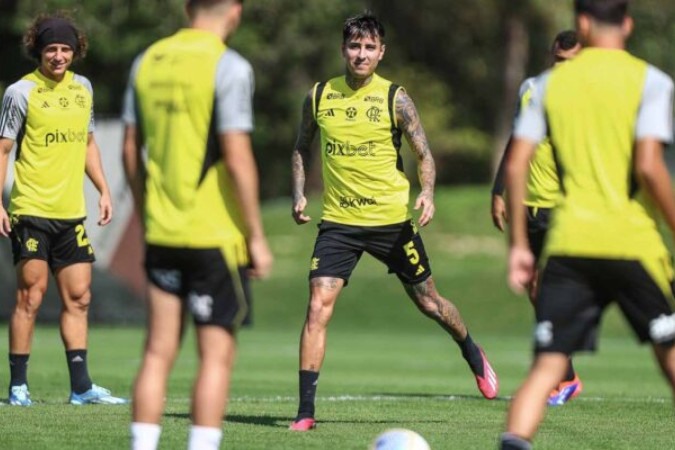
(592, 107)
(189, 201)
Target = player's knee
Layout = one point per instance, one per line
(320, 310)
(79, 299)
(30, 299)
(160, 355)
(426, 297)
(427, 304)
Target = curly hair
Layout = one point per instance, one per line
(30, 37)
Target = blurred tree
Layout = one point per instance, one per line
(461, 61)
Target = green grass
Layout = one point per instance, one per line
(386, 365)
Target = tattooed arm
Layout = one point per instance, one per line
(300, 158)
(410, 124)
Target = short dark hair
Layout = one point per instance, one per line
(605, 11)
(365, 24)
(565, 40)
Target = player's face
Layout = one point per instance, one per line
(362, 55)
(55, 60)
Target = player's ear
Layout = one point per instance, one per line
(583, 23)
(382, 49)
(627, 26)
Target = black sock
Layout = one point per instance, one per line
(18, 366)
(79, 374)
(510, 441)
(569, 376)
(471, 354)
(308, 382)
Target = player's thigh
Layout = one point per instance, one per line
(32, 274)
(401, 248)
(337, 250)
(644, 296)
(74, 281)
(164, 322)
(568, 307)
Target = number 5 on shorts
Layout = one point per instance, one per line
(411, 253)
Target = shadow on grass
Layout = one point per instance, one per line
(284, 421)
(266, 421)
(427, 395)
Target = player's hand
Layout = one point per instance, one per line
(261, 257)
(105, 209)
(499, 217)
(521, 269)
(425, 201)
(4, 223)
(299, 206)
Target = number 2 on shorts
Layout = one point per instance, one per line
(82, 241)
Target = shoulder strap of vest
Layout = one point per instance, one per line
(393, 89)
(318, 92)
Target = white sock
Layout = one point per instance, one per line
(204, 438)
(145, 436)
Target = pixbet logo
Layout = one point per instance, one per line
(336, 148)
(68, 136)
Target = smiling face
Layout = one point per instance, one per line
(55, 60)
(362, 54)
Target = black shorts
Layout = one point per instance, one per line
(575, 291)
(537, 226)
(59, 242)
(399, 246)
(212, 292)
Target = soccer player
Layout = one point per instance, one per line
(49, 115)
(361, 118)
(608, 115)
(543, 190)
(189, 102)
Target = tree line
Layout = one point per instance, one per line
(461, 62)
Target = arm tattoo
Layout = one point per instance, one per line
(411, 125)
(301, 152)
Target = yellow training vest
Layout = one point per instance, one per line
(364, 182)
(50, 163)
(189, 197)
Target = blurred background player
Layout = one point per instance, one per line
(543, 190)
(608, 115)
(189, 101)
(49, 115)
(361, 117)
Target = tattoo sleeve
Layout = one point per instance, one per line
(411, 125)
(301, 152)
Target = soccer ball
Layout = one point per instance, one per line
(400, 439)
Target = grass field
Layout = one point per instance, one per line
(386, 365)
